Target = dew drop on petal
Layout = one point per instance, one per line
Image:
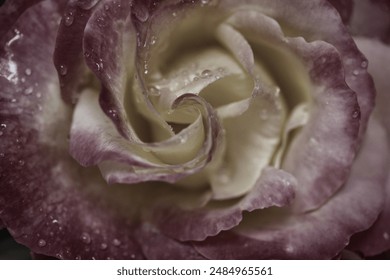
(153, 40)
(103, 246)
(386, 236)
(355, 72)
(289, 249)
(28, 71)
(85, 238)
(28, 90)
(41, 243)
(116, 242)
(153, 91)
(364, 64)
(68, 19)
(206, 73)
(63, 70)
(355, 114)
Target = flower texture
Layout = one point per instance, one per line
(177, 129)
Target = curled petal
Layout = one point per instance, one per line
(273, 188)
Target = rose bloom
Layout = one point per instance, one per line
(202, 129)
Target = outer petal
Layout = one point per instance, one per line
(46, 201)
(157, 246)
(273, 188)
(377, 239)
(10, 12)
(321, 234)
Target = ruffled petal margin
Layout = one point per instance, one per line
(377, 239)
(320, 234)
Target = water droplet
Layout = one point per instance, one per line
(13, 100)
(103, 246)
(146, 71)
(112, 113)
(69, 18)
(116, 242)
(28, 90)
(2, 155)
(355, 114)
(182, 139)
(204, 2)
(63, 70)
(41, 243)
(364, 64)
(206, 73)
(132, 256)
(153, 91)
(153, 40)
(28, 71)
(386, 236)
(174, 14)
(3, 126)
(21, 162)
(355, 72)
(99, 66)
(289, 249)
(85, 238)
(106, 7)
(55, 221)
(38, 95)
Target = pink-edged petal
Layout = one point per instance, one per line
(321, 234)
(377, 239)
(68, 56)
(157, 246)
(322, 22)
(273, 188)
(47, 202)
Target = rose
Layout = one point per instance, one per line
(58, 208)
